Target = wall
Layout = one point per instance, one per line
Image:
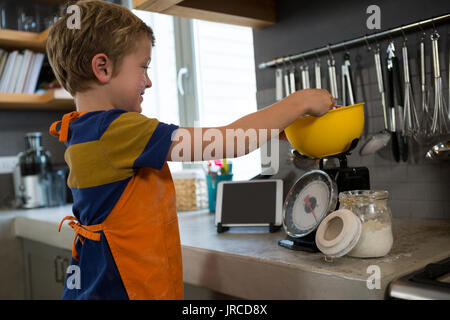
(417, 188)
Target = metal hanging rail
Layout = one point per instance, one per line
(345, 44)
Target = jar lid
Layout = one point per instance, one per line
(188, 174)
(338, 233)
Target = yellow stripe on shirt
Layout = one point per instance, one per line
(110, 158)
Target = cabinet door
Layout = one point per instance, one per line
(45, 270)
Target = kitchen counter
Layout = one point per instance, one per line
(248, 262)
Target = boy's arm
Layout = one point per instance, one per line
(249, 132)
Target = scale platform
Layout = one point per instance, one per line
(306, 243)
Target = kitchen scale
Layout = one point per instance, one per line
(315, 195)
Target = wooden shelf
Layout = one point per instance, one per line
(13, 40)
(256, 14)
(51, 100)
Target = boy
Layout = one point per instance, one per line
(124, 199)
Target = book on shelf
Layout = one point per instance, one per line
(33, 72)
(23, 71)
(6, 77)
(3, 58)
(15, 73)
(19, 71)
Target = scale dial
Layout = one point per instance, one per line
(308, 202)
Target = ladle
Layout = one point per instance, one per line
(381, 139)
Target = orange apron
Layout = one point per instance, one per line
(143, 236)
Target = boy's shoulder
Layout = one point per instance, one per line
(115, 122)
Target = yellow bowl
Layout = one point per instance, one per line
(331, 134)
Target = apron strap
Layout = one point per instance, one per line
(65, 122)
(82, 232)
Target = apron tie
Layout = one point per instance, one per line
(65, 122)
(82, 232)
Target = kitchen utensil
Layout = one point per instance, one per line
(292, 85)
(440, 151)
(439, 125)
(333, 81)
(331, 134)
(348, 97)
(287, 90)
(411, 122)
(318, 76)
(399, 145)
(381, 139)
(305, 76)
(425, 117)
(278, 84)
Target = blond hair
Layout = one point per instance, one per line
(104, 28)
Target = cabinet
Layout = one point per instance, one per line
(45, 270)
(256, 14)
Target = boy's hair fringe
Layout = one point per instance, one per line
(104, 28)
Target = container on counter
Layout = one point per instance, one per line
(32, 175)
(371, 206)
(362, 227)
(212, 181)
(190, 189)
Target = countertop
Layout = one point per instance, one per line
(248, 262)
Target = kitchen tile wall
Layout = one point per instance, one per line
(417, 189)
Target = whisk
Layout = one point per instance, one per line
(440, 122)
(410, 122)
(425, 123)
(305, 76)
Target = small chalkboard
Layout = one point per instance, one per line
(249, 203)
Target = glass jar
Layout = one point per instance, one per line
(190, 189)
(371, 206)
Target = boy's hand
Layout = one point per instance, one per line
(314, 102)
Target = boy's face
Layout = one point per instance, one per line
(128, 86)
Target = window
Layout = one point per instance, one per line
(220, 84)
(161, 101)
(226, 84)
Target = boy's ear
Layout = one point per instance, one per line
(102, 67)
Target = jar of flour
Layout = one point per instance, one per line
(371, 206)
(362, 227)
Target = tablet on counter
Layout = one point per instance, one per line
(249, 203)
